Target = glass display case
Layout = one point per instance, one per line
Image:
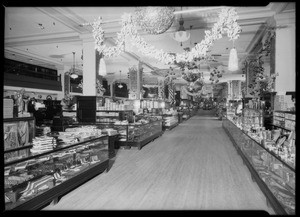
(38, 179)
(18, 134)
(275, 177)
(136, 134)
(170, 121)
(107, 116)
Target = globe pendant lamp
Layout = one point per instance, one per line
(233, 63)
(102, 67)
(181, 35)
(72, 73)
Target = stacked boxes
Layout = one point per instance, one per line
(283, 103)
(8, 105)
(285, 120)
(110, 105)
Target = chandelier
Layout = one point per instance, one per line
(233, 63)
(181, 35)
(72, 72)
(102, 67)
(154, 20)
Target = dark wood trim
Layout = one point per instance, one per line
(17, 149)
(18, 119)
(170, 127)
(31, 82)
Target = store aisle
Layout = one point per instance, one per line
(193, 167)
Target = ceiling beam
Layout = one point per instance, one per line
(42, 39)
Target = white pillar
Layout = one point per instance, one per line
(61, 72)
(285, 56)
(139, 78)
(89, 65)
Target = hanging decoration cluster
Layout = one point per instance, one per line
(216, 73)
(226, 24)
(154, 20)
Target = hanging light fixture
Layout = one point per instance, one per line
(233, 63)
(181, 35)
(120, 84)
(102, 67)
(72, 73)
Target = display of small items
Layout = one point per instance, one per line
(25, 180)
(281, 142)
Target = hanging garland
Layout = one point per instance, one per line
(226, 24)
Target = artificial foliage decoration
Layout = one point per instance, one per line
(80, 85)
(260, 82)
(154, 20)
(225, 24)
(215, 74)
(190, 76)
(256, 66)
(69, 100)
(170, 76)
(99, 87)
(266, 83)
(267, 42)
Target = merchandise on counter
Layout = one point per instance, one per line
(38, 185)
(110, 131)
(42, 144)
(274, 141)
(284, 103)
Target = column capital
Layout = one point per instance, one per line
(287, 18)
(87, 37)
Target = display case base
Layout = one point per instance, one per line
(170, 127)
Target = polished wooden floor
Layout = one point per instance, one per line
(192, 167)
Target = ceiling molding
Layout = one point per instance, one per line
(66, 17)
(28, 55)
(277, 7)
(42, 39)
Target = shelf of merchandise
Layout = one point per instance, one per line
(122, 115)
(275, 177)
(280, 119)
(13, 129)
(49, 167)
